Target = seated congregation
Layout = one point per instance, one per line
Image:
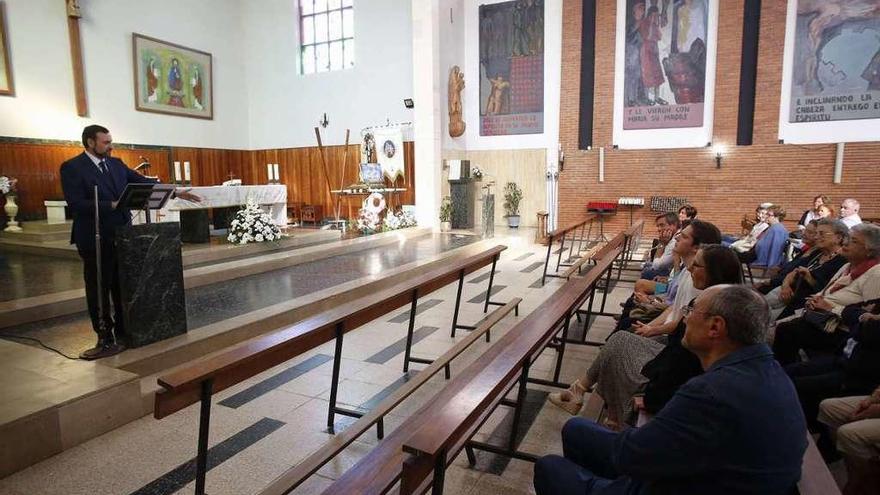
(711, 384)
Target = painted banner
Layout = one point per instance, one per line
(666, 72)
(836, 63)
(389, 151)
(831, 72)
(512, 68)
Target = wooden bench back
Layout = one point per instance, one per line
(446, 418)
(555, 234)
(183, 387)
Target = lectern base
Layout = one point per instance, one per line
(151, 282)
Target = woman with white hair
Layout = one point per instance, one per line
(819, 327)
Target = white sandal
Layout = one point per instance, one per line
(575, 400)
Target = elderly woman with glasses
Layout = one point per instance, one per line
(819, 328)
(814, 273)
(617, 371)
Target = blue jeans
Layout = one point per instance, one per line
(586, 467)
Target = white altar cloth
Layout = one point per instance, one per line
(273, 196)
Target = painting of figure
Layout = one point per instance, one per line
(512, 68)
(836, 65)
(665, 49)
(172, 79)
(6, 87)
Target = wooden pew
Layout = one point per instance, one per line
(295, 476)
(431, 438)
(561, 234)
(198, 382)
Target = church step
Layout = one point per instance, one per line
(36, 236)
(46, 227)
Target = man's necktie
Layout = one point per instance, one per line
(103, 166)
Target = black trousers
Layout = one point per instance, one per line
(797, 334)
(816, 380)
(109, 289)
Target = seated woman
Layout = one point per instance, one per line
(743, 244)
(687, 212)
(853, 370)
(769, 250)
(807, 279)
(616, 372)
(820, 328)
(815, 213)
(803, 258)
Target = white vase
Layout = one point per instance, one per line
(11, 211)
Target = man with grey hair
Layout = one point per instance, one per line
(715, 435)
(849, 212)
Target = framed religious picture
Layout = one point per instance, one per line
(172, 79)
(6, 86)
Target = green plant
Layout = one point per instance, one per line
(446, 209)
(512, 196)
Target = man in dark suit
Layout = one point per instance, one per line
(737, 428)
(79, 176)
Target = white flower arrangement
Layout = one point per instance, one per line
(476, 173)
(252, 224)
(7, 185)
(368, 221)
(400, 220)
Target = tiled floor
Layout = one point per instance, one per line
(267, 424)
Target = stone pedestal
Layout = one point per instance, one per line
(151, 282)
(55, 211)
(488, 217)
(541, 236)
(463, 196)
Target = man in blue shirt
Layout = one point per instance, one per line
(737, 428)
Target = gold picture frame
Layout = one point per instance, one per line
(7, 88)
(172, 79)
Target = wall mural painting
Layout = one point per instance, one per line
(665, 63)
(512, 68)
(836, 64)
(172, 79)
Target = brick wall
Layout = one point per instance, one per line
(789, 175)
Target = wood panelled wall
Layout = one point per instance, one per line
(36, 166)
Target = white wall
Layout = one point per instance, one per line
(44, 104)
(286, 106)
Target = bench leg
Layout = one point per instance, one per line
(520, 401)
(561, 350)
(204, 427)
(458, 301)
(547, 260)
(409, 332)
(607, 288)
(439, 473)
(447, 371)
(471, 457)
(561, 249)
(334, 385)
(380, 428)
(491, 281)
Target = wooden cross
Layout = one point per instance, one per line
(79, 85)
